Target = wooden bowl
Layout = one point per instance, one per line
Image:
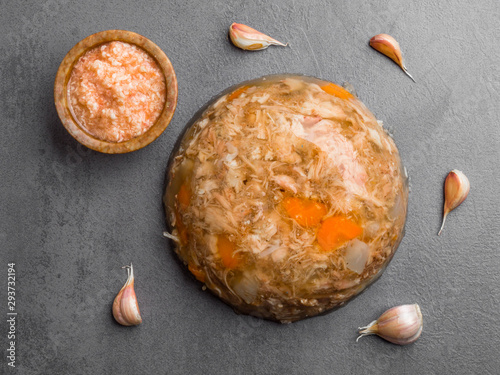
(63, 106)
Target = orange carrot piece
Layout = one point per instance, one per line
(236, 93)
(305, 212)
(335, 90)
(197, 272)
(226, 251)
(184, 196)
(337, 230)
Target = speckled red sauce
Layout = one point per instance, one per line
(116, 91)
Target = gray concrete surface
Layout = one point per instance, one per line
(71, 217)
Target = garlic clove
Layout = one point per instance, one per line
(125, 307)
(456, 189)
(388, 46)
(247, 38)
(400, 325)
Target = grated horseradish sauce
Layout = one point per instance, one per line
(116, 91)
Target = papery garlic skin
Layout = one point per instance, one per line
(125, 307)
(388, 46)
(249, 39)
(456, 189)
(400, 325)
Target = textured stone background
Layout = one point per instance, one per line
(71, 217)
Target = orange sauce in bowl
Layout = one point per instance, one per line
(116, 91)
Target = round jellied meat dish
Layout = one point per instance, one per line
(286, 197)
